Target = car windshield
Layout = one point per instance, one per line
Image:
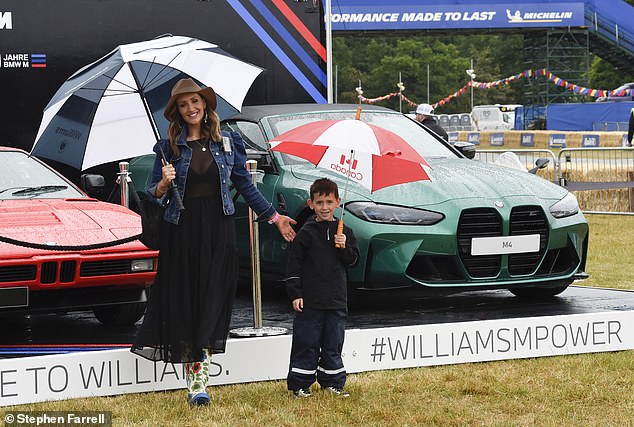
(22, 177)
(625, 86)
(425, 144)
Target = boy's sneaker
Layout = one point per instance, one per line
(302, 393)
(337, 391)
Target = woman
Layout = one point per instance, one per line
(188, 314)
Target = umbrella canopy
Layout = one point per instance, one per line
(112, 109)
(369, 155)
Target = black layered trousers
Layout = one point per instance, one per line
(318, 337)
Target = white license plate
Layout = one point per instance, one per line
(505, 245)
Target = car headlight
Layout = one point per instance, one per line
(390, 214)
(140, 265)
(565, 207)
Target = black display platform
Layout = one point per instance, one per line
(52, 334)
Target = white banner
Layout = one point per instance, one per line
(466, 342)
(114, 372)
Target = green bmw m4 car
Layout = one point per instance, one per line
(472, 226)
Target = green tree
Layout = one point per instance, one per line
(377, 61)
(604, 75)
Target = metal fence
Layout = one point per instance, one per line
(527, 157)
(610, 126)
(602, 179)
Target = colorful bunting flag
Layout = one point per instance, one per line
(542, 72)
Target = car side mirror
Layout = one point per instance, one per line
(540, 163)
(92, 184)
(467, 149)
(264, 159)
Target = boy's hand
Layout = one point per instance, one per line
(298, 304)
(340, 241)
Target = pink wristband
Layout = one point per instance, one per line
(274, 218)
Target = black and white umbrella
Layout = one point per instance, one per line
(113, 108)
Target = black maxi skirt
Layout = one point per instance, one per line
(190, 302)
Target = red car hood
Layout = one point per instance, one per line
(67, 222)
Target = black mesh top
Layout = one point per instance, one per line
(203, 178)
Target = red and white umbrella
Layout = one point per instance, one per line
(369, 155)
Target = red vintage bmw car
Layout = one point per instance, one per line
(57, 251)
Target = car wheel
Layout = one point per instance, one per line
(120, 315)
(538, 292)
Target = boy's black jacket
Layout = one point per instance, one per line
(316, 270)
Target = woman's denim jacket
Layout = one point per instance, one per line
(231, 166)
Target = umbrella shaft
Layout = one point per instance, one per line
(345, 188)
(148, 112)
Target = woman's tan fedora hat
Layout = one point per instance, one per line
(189, 86)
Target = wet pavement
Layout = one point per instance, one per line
(49, 334)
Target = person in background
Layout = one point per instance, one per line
(317, 286)
(189, 308)
(425, 115)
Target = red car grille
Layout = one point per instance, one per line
(64, 271)
(17, 273)
(105, 268)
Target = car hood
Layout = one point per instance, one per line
(66, 222)
(451, 179)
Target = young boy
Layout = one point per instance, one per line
(317, 286)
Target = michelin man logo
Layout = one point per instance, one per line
(516, 17)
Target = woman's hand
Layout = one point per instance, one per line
(284, 224)
(168, 174)
(298, 304)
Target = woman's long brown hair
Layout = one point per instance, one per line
(209, 131)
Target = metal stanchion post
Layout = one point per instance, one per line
(630, 178)
(254, 239)
(123, 179)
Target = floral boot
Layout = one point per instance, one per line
(197, 375)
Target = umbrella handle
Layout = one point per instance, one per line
(339, 231)
(175, 196)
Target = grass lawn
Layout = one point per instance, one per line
(611, 252)
(580, 390)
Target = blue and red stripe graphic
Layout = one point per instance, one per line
(293, 46)
(301, 28)
(38, 60)
(290, 41)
